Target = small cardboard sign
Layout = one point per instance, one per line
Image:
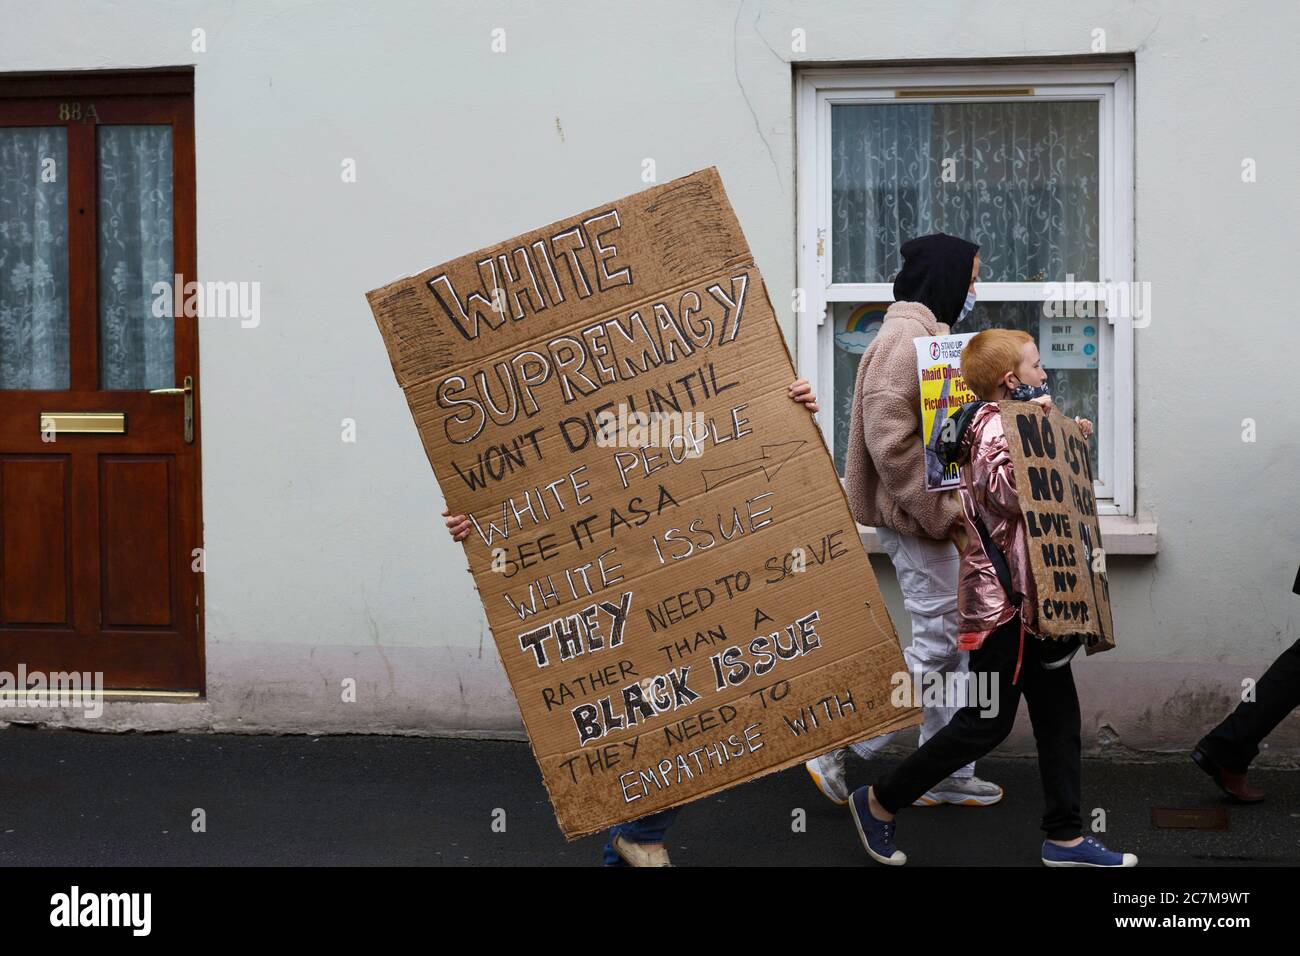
(1054, 478)
(943, 391)
(664, 552)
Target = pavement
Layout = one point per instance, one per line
(75, 798)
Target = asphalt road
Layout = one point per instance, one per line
(70, 798)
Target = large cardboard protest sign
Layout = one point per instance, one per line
(1054, 478)
(676, 612)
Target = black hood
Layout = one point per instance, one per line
(936, 273)
(952, 441)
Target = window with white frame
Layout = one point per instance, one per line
(1034, 165)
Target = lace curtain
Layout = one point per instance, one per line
(1024, 186)
(135, 251)
(34, 258)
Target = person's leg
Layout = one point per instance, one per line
(1053, 704)
(970, 734)
(609, 856)
(1234, 743)
(1054, 710)
(651, 829)
(866, 749)
(928, 581)
(927, 576)
(647, 829)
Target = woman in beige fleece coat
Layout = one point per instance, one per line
(884, 479)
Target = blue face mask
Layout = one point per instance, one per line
(1027, 393)
(965, 309)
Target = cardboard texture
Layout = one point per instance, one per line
(644, 590)
(1054, 478)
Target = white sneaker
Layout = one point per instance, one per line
(827, 772)
(961, 791)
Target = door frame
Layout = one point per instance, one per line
(164, 94)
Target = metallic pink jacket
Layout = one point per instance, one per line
(989, 489)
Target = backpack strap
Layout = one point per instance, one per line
(996, 557)
(999, 562)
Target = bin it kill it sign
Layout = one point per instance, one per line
(664, 553)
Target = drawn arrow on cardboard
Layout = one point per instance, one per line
(774, 456)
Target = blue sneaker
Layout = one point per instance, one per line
(876, 835)
(1087, 853)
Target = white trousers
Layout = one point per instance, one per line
(927, 576)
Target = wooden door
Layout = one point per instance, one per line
(100, 530)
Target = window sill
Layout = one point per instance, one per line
(1119, 535)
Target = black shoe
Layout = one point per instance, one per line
(1233, 785)
(1053, 653)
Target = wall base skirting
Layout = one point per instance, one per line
(1131, 710)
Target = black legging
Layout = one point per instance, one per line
(1053, 711)
(1235, 742)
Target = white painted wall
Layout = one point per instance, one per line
(328, 559)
